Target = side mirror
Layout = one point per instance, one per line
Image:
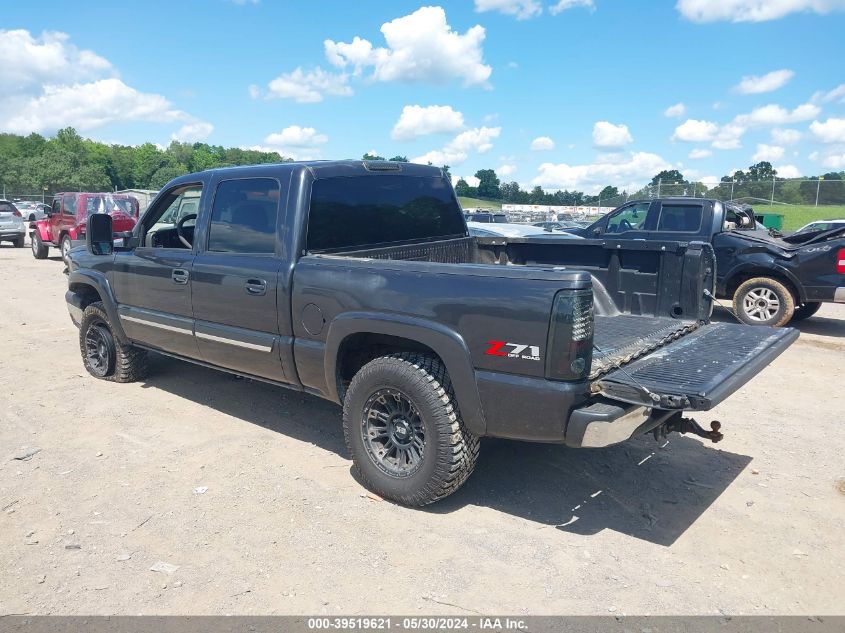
(99, 237)
(745, 220)
(597, 230)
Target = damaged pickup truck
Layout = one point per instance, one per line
(771, 279)
(359, 283)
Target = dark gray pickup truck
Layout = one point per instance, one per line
(358, 282)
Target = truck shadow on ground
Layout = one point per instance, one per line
(645, 489)
(820, 325)
(637, 488)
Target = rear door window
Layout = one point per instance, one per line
(243, 217)
(358, 211)
(680, 218)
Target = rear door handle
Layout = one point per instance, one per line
(256, 287)
(180, 276)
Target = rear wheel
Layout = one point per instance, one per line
(64, 247)
(806, 311)
(102, 354)
(405, 433)
(39, 249)
(764, 301)
(19, 242)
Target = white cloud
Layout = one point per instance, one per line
(193, 132)
(421, 47)
(834, 161)
(679, 109)
(542, 144)
(776, 115)
(782, 136)
(456, 151)
(752, 10)
(416, 121)
(788, 171)
(752, 85)
(767, 152)
(49, 83)
(307, 86)
(606, 134)
(628, 171)
(29, 62)
(831, 131)
(563, 5)
(521, 9)
(700, 153)
(296, 136)
(85, 107)
(505, 171)
(837, 94)
(695, 131)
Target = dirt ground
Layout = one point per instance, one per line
(246, 490)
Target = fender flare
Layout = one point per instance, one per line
(98, 282)
(445, 342)
(43, 228)
(759, 270)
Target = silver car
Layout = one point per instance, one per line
(32, 211)
(12, 228)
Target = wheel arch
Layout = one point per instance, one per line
(354, 339)
(93, 286)
(740, 275)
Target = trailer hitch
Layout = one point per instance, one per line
(682, 425)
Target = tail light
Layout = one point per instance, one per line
(570, 348)
(17, 213)
(840, 261)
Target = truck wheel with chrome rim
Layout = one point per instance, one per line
(102, 354)
(764, 301)
(64, 247)
(404, 431)
(39, 249)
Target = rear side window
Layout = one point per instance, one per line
(6, 207)
(685, 218)
(358, 211)
(243, 218)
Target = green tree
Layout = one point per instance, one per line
(369, 156)
(488, 184)
(398, 159)
(463, 189)
(668, 176)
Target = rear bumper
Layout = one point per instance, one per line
(12, 233)
(839, 295)
(74, 307)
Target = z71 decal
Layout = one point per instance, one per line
(513, 350)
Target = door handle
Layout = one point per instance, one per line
(179, 276)
(256, 287)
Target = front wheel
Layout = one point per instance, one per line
(806, 311)
(39, 249)
(64, 247)
(102, 354)
(764, 301)
(404, 431)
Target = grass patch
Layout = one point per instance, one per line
(796, 217)
(478, 202)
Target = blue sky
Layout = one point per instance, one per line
(561, 93)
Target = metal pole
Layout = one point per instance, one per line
(732, 188)
(694, 187)
(818, 185)
(773, 190)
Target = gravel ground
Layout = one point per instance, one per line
(241, 496)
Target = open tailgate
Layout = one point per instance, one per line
(699, 370)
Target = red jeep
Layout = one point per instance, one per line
(66, 220)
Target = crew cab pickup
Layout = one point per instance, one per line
(771, 279)
(358, 282)
(65, 222)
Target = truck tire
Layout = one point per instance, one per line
(404, 430)
(102, 354)
(18, 242)
(806, 310)
(764, 301)
(39, 249)
(64, 247)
